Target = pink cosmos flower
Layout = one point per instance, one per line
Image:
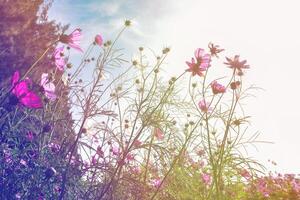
(23, 162)
(137, 143)
(59, 59)
(156, 182)
(48, 86)
(30, 136)
(135, 170)
(217, 87)
(200, 152)
(200, 63)
(99, 40)
(56, 189)
(206, 178)
(54, 147)
(214, 49)
(7, 156)
(18, 195)
(129, 157)
(244, 173)
(94, 160)
(24, 95)
(73, 39)
(100, 151)
(236, 64)
(158, 134)
(115, 150)
(204, 107)
(296, 185)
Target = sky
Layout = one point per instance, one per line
(266, 33)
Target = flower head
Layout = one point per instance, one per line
(244, 173)
(48, 86)
(158, 134)
(99, 40)
(234, 85)
(23, 162)
(204, 107)
(30, 136)
(214, 49)
(200, 63)
(73, 39)
(206, 178)
(217, 87)
(116, 151)
(24, 95)
(137, 143)
(156, 182)
(59, 59)
(236, 64)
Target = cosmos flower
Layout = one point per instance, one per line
(23, 94)
(236, 64)
(59, 59)
(244, 173)
(234, 85)
(206, 178)
(99, 40)
(23, 162)
(158, 134)
(204, 107)
(73, 39)
(30, 136)
(137, 143)
(156, 182)
(200, 63)
(217, 87)
(214, 49)
(129, 157)
(116, 151)
(48, 87)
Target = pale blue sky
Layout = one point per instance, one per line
(266, 33)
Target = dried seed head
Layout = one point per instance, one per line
(127, 23)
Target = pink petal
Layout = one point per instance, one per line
(198, 53)
(31, 100)
(99, 40)
(20, 89)
(75, 46)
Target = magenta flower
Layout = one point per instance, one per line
(204, 107)
(99, 40)
(24, 95)
(48, 86)
(236, 64)
(73, 39)
(206, 178)
(200, 63)
(217, 87)
(59, 59)
(158, 134)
